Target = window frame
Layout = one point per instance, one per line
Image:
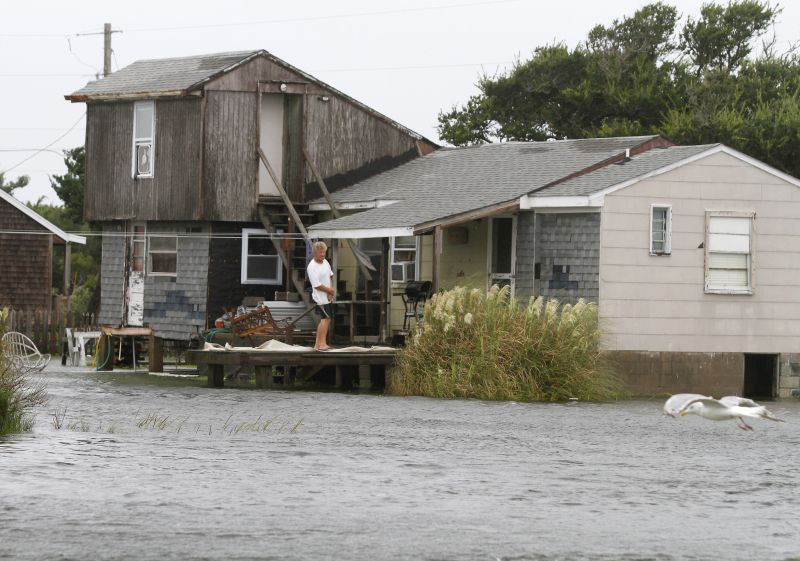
(244, 278)
(151, 272)
(750, 267)
(404, 264)
(141, 140)
(667, 229)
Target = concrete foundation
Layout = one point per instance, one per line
(648, 374)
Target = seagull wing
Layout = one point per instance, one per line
(738, 401)
(677, 402)
(749, 407)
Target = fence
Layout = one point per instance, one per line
(46, 329)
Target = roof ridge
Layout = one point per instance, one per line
(208, 55)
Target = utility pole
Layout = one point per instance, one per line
(106, 49)
(107, 31)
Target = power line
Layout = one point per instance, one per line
(315, 71)
(328, 17)
(421, 67)
(196, 235)
(31, 150)
(46, 147)
(273, 21)
(46, 75)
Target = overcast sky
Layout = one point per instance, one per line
(409, 60)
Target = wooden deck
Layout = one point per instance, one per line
(367, 369)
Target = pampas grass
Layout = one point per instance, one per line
(480, 345)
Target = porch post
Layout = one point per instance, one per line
(67, 268)
(383, 327)
(437, 253)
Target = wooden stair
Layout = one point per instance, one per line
(272, 213)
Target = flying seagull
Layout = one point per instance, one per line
(730, 407)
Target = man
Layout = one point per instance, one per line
(320, 276)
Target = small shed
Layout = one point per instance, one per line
(27, 242)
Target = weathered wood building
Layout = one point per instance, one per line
(27, 243)
(191, 167)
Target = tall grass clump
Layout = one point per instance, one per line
(473, 344)
(18, 393)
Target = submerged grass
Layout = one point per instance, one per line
(18, 392)
(160, 422)
(473, 344)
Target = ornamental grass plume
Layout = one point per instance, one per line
(18, 393)
(486, 346)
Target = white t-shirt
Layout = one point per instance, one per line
(319, 274)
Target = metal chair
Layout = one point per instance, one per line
(73, 350)
(415, 293)
(22, 352)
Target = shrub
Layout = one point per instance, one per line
(18, 393)
(487, 346)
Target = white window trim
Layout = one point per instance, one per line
(750, 255)
(150, 252)
(144, 140)
(393, 262)
(246, 233)
(668, 230)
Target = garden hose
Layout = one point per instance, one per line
(110, 347)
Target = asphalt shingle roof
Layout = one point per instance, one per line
(179, 76)
(452, 181)
(162, 75)
(614, 174)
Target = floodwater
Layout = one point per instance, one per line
(160, 468)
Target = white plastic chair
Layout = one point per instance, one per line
(73, 349)
(23, 353)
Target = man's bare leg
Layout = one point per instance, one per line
(321, 342)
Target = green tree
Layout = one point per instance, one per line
(10, 186)
(69, 187)
(723, 36)
(85, 260)
(643, 75)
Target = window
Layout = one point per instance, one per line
(163, 255)
(143, 135)
(729, 252)
(261, 263)
(660, 230)
(404, 258)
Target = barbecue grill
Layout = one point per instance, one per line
(414, 297)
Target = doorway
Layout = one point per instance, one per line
(502, 250)
(760, 375)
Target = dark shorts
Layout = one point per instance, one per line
(324, 311)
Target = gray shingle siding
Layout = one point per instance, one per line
(175, 307)
(567, 248)
(112, 275)
(525, 257)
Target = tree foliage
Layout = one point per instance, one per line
(69, 187)
(643, 74)
(9, 186)
(85, 260)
